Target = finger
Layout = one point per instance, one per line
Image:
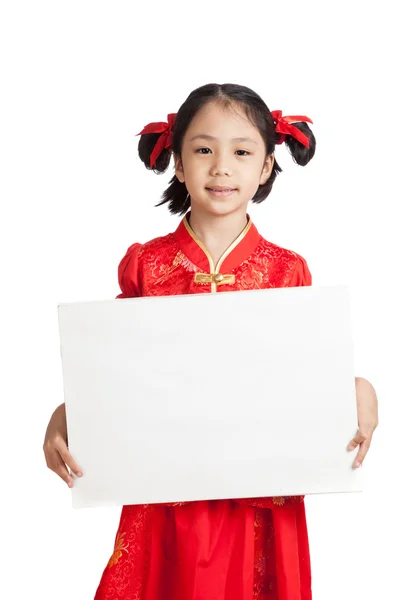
(358, 439)
(364, 447)
(56, 464)
(69, 460)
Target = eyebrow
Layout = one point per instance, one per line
(212, 138)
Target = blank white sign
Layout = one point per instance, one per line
(208, 396)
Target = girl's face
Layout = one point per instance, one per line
(213, 155)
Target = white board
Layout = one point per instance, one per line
(207, 396)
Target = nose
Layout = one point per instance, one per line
(220, 166)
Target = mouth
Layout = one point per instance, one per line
(220, 192)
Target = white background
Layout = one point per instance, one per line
(79, 80)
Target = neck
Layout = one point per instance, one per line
(217, 232)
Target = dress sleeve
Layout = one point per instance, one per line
(301, 275)
(128, 273)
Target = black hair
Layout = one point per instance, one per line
(229, 94)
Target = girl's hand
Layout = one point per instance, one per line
(367, 411)
(55, 447)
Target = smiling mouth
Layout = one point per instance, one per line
(221, 189)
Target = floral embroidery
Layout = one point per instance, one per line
(127, 579)
(185, 262)
(165, 270)
(264, 556)
(268, 266)
(259, 564)
(278, 500)
(119, 547)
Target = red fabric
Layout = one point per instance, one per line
(243, 549)
(164, 141)
(284, 127)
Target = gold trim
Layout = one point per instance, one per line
(235, 243)
(199, 243)
(214, 269)
(217, 278)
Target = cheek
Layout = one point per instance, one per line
(191, 163)
(197, 171)
(251, 175)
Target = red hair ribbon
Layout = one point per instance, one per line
(283, 127)
(164, 141)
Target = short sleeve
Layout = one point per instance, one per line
(301, 275)
(128, 273)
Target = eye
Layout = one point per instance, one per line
(246, 153)
(199, 150)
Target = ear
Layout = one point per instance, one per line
(267, 169)
(179, 168)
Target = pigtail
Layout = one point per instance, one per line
(300, 153)
(156, 155)
(146, 146)
(176, 195)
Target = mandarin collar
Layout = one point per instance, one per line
(238, 251)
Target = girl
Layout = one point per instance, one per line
(223, 141)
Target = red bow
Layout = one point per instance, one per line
(282, 126)
(164, 141)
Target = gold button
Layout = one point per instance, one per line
(218, 277)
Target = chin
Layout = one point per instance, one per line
(220, 207)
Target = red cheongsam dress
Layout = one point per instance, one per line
(249, 549)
